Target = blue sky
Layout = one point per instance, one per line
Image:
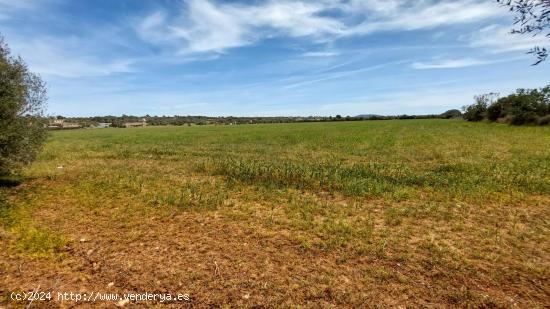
(268, 58)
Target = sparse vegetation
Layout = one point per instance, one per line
(434, 212)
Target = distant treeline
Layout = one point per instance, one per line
(119, 121)
(525, 106)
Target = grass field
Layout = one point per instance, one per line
(356, 214)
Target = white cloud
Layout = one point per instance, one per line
(10, 7)
(206, 26)
(414, 15)
(55, 57)
(294, 18)
(209, 26)
(151, 27)
(379, 7)
(497, 38)
(317, 78)
(320, 54)
(448, 64)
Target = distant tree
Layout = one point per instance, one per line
(22, 102)
(452, 113)
(525, 106)
(478, 110)
(532, 17)
(117, 123)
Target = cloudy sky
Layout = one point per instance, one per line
(263, 57)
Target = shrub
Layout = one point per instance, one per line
(544, 120)
(497, 110)
(526, 106)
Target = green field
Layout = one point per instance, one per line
(409, 212)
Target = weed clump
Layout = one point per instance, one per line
(23, 236)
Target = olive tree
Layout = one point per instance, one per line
(532, 17)
(23, 97)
